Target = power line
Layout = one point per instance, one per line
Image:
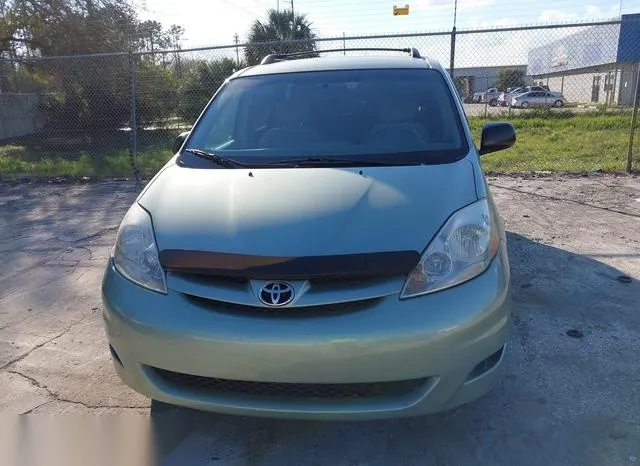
(241, 8)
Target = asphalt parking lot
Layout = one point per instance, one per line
(571, 389)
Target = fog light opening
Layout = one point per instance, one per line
(115, 356)
(486, 365)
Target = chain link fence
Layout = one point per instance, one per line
(570, 90)
(633, 158)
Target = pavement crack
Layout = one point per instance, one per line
(56, 397)
(55, 337)
(91, 236)
(559, 199)
(33, 381)
(38, 406)
(89, 251)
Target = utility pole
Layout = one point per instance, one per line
(453, 39)
(293, 22)
(235, 38)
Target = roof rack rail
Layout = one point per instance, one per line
(275, 57)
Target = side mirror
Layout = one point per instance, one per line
(497, 136)
(178, 141)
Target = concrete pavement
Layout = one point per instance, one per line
(570, 394)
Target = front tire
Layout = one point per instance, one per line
(558, 103)
(493, 102)
(524, 104)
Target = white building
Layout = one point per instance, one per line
(599, 64)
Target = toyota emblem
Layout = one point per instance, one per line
(276, 294)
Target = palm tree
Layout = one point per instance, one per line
(284, 32)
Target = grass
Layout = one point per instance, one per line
(104, 156)
(563, 142)
(17, 160)
(547, 141)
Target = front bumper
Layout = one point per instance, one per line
(440, 338)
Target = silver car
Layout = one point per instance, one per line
(491, 96)
(538, 99)
(322, 245)
(506, 97)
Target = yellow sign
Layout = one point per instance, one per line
(400, 10)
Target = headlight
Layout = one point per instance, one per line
(135, 254)
(462, 249)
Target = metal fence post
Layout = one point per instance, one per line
(484, 94)
(634, 119)
(133, 124)
(452, 53)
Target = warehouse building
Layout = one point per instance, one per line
(481, 78)
(597, 65)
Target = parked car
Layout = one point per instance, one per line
(323, 244)
(538, 99)
(490, 96)
(506, 97)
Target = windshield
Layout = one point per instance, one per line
(396, 115)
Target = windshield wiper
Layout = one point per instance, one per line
(295, 162)
(222, 161)
(326, 161)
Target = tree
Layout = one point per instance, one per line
(463, 85)
(56, 27)
(89, 94)
(509, 78)
(280, 29)
(202, 79)
(156, 92)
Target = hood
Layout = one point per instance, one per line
(305, 211)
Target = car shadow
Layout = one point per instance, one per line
(567, 396)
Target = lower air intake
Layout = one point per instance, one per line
(289, 390)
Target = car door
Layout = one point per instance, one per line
(536, 98)
(520, 97)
